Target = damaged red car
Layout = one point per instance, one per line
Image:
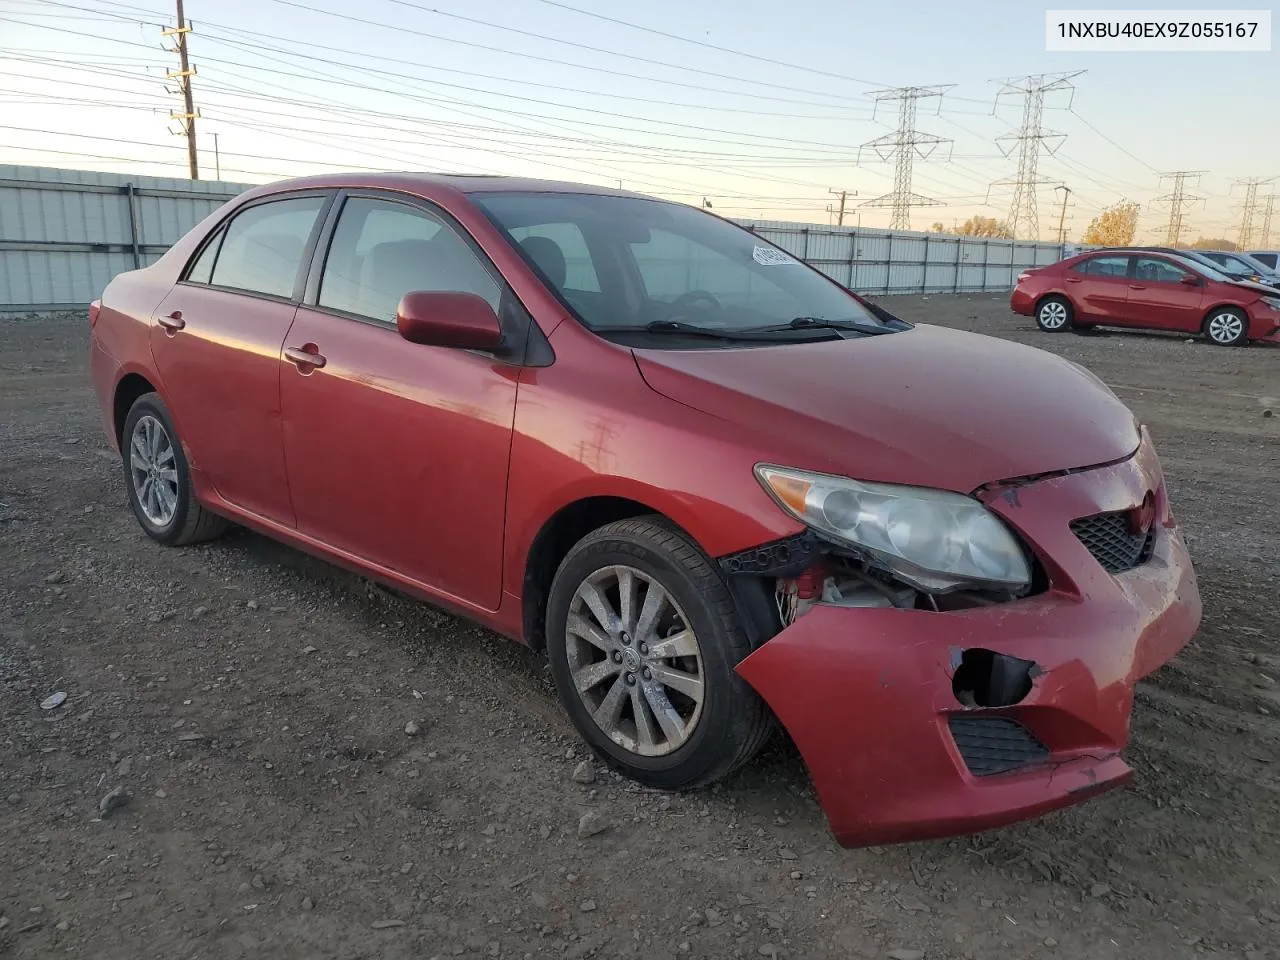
(717, 489)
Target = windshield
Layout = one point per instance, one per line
(1204, 265)
(628, 263)
(1246, 264)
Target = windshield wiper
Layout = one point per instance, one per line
(679, 328)
(818, 323)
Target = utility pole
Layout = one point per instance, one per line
(1250, 185)
(184, 75)
(1177, 198)
(904, 146)
(1265, 239)
(217, 159)
(1024, 219)
(843, 195)
(1062, 217)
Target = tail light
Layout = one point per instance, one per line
(1024, 275)
(94, 309)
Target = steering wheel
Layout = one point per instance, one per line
(692, 297)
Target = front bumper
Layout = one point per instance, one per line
(867, 695)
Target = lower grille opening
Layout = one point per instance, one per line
(991, 745)
(1112, 542)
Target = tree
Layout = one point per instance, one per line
(977, 226)
(1212, 243)
(937, 227)
(1114, 226)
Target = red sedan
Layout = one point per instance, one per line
(1155, 290)
(716, 488)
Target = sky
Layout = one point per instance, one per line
(759, 107)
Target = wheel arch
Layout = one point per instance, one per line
(554, 539)
(129, 388)
(1053, 295)
(1234, 308)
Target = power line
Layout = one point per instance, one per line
(1177, 198)
(1031, 136)
(904, 145)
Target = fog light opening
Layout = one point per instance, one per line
(984, 678)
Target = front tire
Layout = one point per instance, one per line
(1054, 314)
(1226, 327)
(158, 479)
(643, 636)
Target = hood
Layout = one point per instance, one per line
(927, 406)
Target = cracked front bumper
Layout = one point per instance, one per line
(867, 695)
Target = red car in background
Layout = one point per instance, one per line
(1146, 289)
(716, 488)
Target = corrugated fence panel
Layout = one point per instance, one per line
(65, 233)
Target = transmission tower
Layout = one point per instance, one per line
(1024, 219)
(1177, 198)
(904, 145)
(187, 118)
(1251, 185)
(1265, 239)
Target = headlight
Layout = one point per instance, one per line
(1272, 302)
(932, 539)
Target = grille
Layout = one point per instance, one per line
(993, 745)
(1107, 536)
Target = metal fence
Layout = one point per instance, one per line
(876, 261)
(65, 233)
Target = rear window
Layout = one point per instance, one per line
(261, 249)
(1103, 266)
(1266, 259)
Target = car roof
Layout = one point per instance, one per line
(415, 182)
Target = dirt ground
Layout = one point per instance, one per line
(253, 704)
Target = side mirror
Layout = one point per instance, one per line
(441, 318)
(1188, 280)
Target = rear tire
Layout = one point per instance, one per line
(674, 722)
(158, 479)
(1226, 327)
(1054, 314)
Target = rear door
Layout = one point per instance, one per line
(397, 452)
(1162, 295)
(216, 343)
(1099, 287)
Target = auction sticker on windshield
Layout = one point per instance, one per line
(770, 257)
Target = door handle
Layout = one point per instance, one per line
(173, 322)
(1073, 279)
(305, 359)
(1137, 286)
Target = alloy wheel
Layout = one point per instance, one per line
(1053, 315)
(1225, 327)
(153, 471)
(635, 661)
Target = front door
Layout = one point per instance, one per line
(216, 344)
(397, 453)
(1165, 296)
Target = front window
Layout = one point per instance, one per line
(629, 264)
(1156, 270)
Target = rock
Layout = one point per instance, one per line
(797, 875)
(902, 953)
(57, 576)
(591, 824)
(412, 728)
(190, 737)
(53, 701)
(767, 950)
(1099, 889)
(714, 917)
(1050, 942)
(585, 772)
(308, 903)
(787, 854)
(386, 924)
(252, 604)
(14, 798)
(160, 794)
(544, 832)
(124, 767)
(199, 612)
(588, 906)
(1267, 413)
(490, 830)
(112, 801)
(308, 649)
(62, 926)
